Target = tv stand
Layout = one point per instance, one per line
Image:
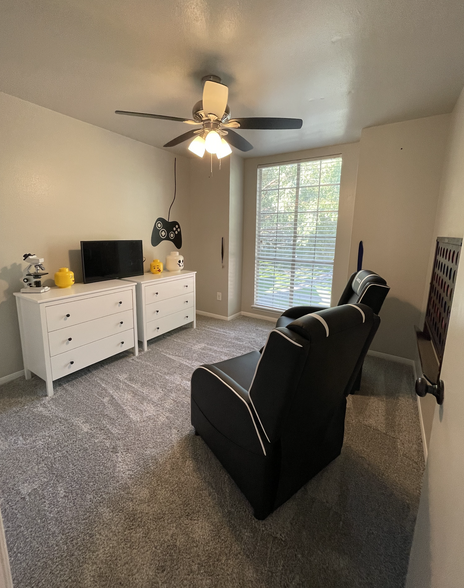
(66, 329)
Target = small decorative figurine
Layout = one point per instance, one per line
(64, 278)
(174, 262)
(156, 267)
(33, 279)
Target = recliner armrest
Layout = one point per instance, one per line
(298, 311)
(225, 404)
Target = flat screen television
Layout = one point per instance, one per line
(109, 260)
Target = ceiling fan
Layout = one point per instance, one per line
(212, 114)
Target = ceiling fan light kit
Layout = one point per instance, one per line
(212, 113)
(224, 149)
(212, 142)
(198, 146)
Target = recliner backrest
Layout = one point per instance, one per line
(317, 356)
(365, 287)
(277, 375)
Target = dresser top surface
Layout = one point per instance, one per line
(76, 290)
(164, 276)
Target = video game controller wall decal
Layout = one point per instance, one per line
(166, 230)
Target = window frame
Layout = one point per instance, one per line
(292, 261)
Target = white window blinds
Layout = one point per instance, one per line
(296, 226)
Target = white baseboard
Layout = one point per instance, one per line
(395, 358)
(273, 319)
(5, 571)
(218, 316)
(422, 428)
(11, 377)
(260, 316)
(411, 363)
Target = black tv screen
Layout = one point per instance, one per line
(109, 260)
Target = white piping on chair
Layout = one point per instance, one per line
(285, 337)
(320, 319)
(357, 308)
(262, 426)
(259, 361)
(365, 278)
(254, 376)
(372, 286)
(256, 371)
(245, 403)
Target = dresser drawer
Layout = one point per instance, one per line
(69, 338)
(78, 311)
(167, 290)
(71, 361)
(170, 306)
(167, 323)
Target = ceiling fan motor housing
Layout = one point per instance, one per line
(199, 114)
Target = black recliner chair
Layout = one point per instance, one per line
(275, 419)
(363, 286)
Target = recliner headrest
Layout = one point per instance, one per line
(322, 324)
(365, 277)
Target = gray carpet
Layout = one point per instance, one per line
(105, 485)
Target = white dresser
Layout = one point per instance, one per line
(164, 302)
(67, 329)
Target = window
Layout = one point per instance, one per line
(296, 226)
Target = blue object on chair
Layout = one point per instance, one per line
(360, 256)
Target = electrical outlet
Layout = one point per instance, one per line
(219, 296)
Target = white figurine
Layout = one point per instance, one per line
(33, 278)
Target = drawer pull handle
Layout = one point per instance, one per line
(121, 323)
(156, 311)
(120, 302)
(186, 286)
(122, 342)
(186, 316)
(68, 315)
(69, 338)
(186, 301)
(156, 293)
(71, 362)
(157, 328)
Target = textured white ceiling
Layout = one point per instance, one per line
(340, 65)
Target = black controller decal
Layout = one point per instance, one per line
(166, 231)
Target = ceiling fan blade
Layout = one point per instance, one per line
(264, 123)
(181, 138)
(237, 141)
(158, 116)
(215, 98)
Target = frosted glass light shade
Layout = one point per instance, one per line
(197, 146)
(212, 142)
(224, 149)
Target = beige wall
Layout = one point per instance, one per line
(349, 153)
(399, 175)
(216, 214)
(235, 235)
(62, 181)
(209, 195)
(436, 556)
